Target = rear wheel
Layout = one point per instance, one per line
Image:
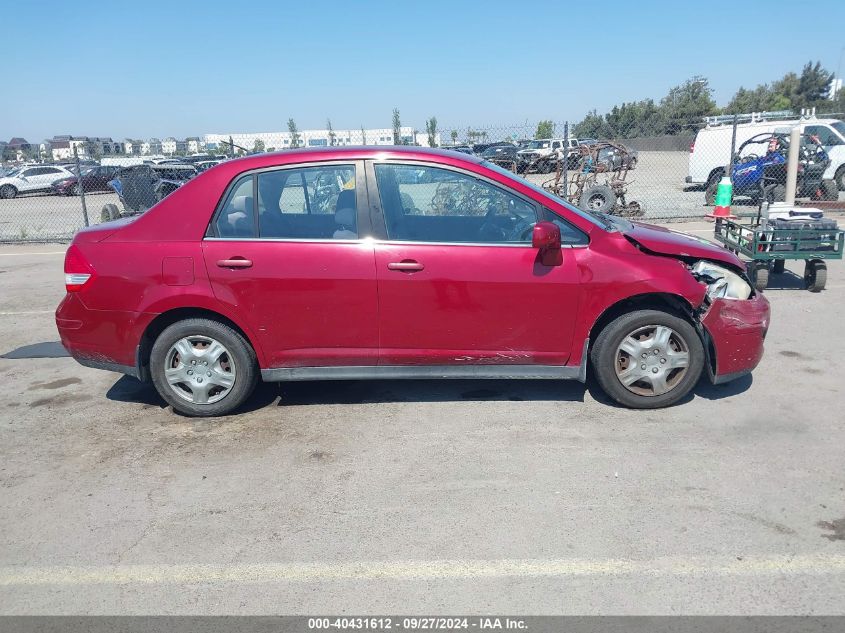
(203, 367)
(109, 212)
(815, 275)
(647, 359)
(8, 192)
(779, 266)
(710, 193)
(840, 178)
(758, 271)
(829, 190)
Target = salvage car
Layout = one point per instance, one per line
(93, 179)
(139, 187)
(260, 269)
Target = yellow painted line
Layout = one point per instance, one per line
(25, 254)
(410, 570)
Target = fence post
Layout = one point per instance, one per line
(565, 159)
(733, 151)
(81, 188)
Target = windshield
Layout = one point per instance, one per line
(599, 219)
(538, 145)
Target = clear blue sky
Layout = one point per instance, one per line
(187, 67)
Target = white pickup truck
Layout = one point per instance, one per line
(542, 154)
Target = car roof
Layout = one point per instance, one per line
(351, 152)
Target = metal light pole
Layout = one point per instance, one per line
(565, 166)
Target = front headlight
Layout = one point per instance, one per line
(721, 282)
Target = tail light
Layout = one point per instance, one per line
(78, 270)
(692, 147)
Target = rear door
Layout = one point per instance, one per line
(458, 280)
(286, 251)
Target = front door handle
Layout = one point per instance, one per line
(407, 266)
(235, 262)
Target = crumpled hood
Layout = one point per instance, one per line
(668, 242)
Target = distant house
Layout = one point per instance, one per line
(153, 146)
(17, 148)
(193, 145)
(132, 146)
(62, 147)
(171, 146)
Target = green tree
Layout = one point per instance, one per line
(545, 129)
(813, 85)
(332, 135)
(454, 136)
(258, 146)
(686, 105)
(397, 127)
(271, 149)
(431, 130)
(295, 138)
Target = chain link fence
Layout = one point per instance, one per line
(608, 167)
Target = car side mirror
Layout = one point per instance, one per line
(546, 236)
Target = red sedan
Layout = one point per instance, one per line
(367, 263)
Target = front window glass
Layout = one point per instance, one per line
(429, 204)
(538, 145)
(598, 219)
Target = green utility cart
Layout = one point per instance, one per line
(768, 247)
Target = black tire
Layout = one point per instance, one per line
(829, 190)
(605, 352)
(7, 192)
(776, 194)
(710, 193)
(109, 212)
(599, 198)
(840, 178)
(815, 275)
(76, 190)
(779, 266)
(632, 164)
(237, 349)
(758, 273)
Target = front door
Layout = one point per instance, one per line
(458, 280)
(284, 252)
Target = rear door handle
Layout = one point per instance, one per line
(408, 266)
(235, 262)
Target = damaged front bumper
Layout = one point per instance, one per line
(735, 330)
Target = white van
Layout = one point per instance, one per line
(711, 150)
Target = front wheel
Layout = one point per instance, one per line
(815, 275)
(7, 192)
(647, 359)
(203, 367)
